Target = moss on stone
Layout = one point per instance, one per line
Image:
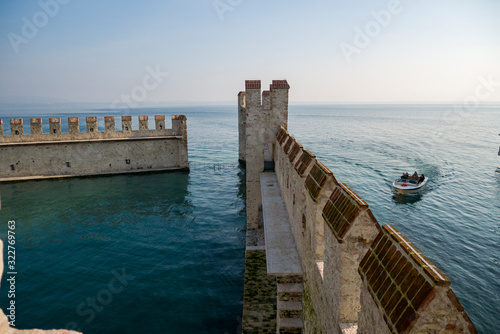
(259, 299)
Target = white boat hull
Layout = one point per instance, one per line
(406, 187)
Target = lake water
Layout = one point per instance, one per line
(176, 240)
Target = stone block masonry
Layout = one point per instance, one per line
(56, 154)
(358, 276)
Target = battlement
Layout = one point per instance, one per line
(275, 97)
(96, 151)
(18, 135)
(408, 288)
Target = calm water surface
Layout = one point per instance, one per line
(179, 237)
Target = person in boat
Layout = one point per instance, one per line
(414, 176)
(421, 178)
(404, 176)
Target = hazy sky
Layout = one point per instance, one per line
(329, 51)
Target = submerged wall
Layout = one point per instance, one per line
(94, 152)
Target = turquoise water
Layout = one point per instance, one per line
(181, 235)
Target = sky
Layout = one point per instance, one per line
(202, 51)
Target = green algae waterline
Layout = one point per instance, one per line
(176, 240)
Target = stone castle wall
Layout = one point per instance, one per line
(333, 227)
(357, 273)
(358, 276)
(94, 152)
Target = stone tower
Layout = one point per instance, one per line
(260, 115)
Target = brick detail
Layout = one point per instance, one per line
(401, 281)
(143, 118)
(341, 209)
(35, 120)
(304, 162)
(241, 93)
(72, 119)
(317, 179)
(266, 92)
(109, 118)
(16, 121)
(288, 144)
(157, 118)
(280, 84)
(54, 120)
(91, 119)
(296, 149)
(126, 118)
(178, 118)
(281, 135)
(252, 84)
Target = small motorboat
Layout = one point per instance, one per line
(409, 185)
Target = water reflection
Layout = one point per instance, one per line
(242, 189)
(407, 198)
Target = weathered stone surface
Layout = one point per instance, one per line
(259, 306)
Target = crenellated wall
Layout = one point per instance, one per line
(404, 292)
(93, 152)
(358, 276)
(333, 228)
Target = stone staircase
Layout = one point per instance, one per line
(289, 310)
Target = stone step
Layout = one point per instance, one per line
(290, 292)
(291, 287)
(289, 309)
(290, 325)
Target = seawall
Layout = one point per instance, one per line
(59, 154)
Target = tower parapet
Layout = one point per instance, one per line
(16, 126)
(126, 123)
(36, 126)
(55, 125)
(143, 123)
(91, 124)
(73, 125)
(109, 124)
(160, 122)
(260, 123)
